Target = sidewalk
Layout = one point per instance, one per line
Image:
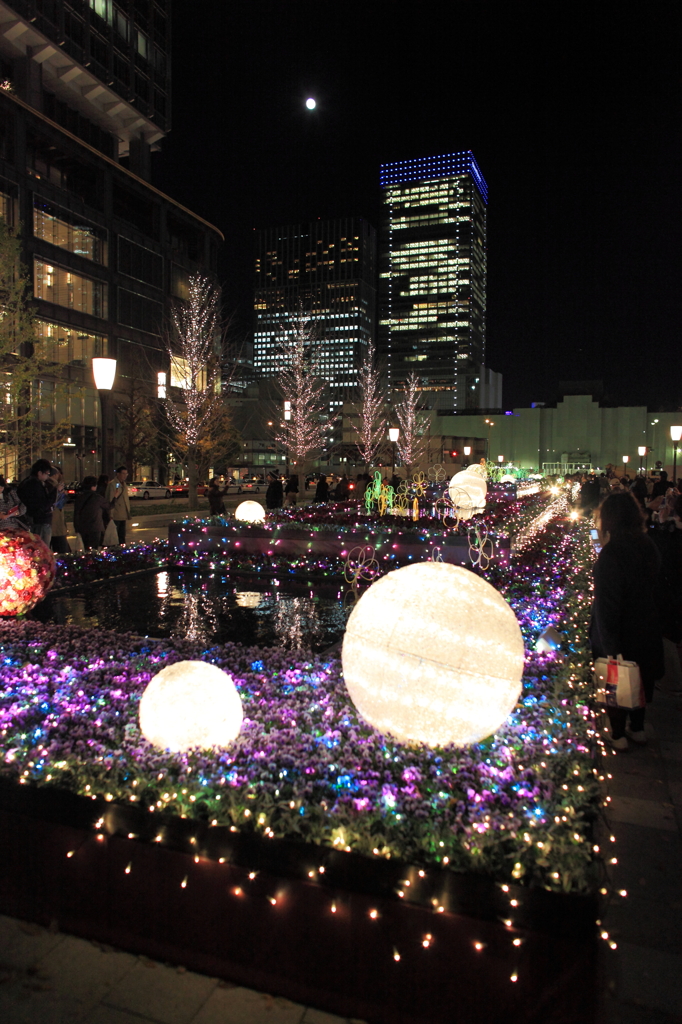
(643, 976)
(49, 978)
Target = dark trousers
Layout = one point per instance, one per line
(618, 718)
(121, 530)
(92, 540)
(60, 545)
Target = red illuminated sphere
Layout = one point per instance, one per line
(27, 571)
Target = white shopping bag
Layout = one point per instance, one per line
(618, 683)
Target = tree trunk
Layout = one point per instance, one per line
(192, 475)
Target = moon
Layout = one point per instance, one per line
(311, 103)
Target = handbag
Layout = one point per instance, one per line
(618, 683)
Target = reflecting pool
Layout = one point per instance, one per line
(205, 607)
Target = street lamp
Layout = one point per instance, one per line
(393, 435)
(490, 424)
(500, 459)
(626, 459)
(641, 451)
(467, 453)
(104, 373)
(675, 435)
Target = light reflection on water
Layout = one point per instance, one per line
(206, 608)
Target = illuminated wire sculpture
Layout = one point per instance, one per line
(437, 473)
(481, 547)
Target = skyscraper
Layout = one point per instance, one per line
(325, 268)
(433, 274)
(84, 99)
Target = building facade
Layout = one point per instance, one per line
(433, 269)
(86, 92)
(325, 269)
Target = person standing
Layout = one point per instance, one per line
(90, 513)
(58, 541)
(322, 489)
(274, 496)
(625, 618)
(291, 490)
(216, 505)
(38, 497)
(119, 501)
(11, 507)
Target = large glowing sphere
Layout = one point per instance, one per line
(27, 570)
(190, 704)
(468, 490)
(250, 512)
(310, 103)
(434, 654)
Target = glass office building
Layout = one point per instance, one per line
(326, 269)
(433, 274)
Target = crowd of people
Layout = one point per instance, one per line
(37, 504)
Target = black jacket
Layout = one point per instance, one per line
(625, 619)
(91, 513)
(274, 496)
(37, 499)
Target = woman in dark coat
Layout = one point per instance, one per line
(274, 496)
(291, 489)
(625, 619)
(216, 504)
(91, 513)
(322, 489)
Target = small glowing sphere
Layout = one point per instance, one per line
(310, 103)
(250, 512)
(190, 704)
(434, 654)
(468, 490)
(27, 571)
(508, 478)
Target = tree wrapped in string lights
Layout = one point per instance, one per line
(301, 430)
(371, 422)
(194, 347)
(412, 439)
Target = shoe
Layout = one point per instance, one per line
(639, 737)
(620, 744)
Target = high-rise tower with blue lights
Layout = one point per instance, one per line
(433, 274)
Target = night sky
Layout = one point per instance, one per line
(572, 110)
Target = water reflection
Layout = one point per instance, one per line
(207, 608)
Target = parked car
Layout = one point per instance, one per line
(253, 486)
(148, 489)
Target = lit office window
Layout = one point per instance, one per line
(62, 228)
(73, 291)
(59, 343)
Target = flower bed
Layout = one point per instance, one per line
(517, 807)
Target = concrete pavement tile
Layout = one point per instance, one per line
(671, 751)
(642, 922)
(110, 1015)
(161, 993)
(244, 1006)
(81, 971)
(650, 978)
(320, 1017)
(616, 1012)
(648, 862)
(639, 785)
(648, 813)
(23, 943)
(29, 999)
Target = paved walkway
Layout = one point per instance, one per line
(643, 976)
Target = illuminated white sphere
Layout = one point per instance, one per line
(468, 482)
(508, 478)
(310, 103)
(190, 704)
(434, 654)
(250, 512)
